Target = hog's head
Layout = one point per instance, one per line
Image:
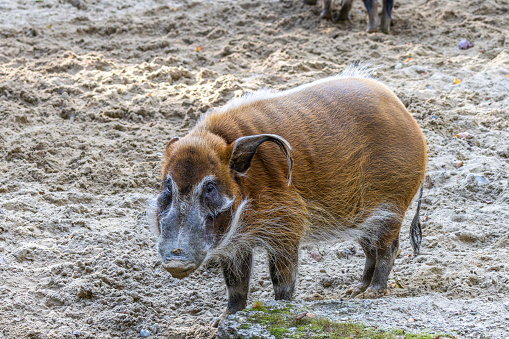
(200, 200)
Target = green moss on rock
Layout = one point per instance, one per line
(287, 322)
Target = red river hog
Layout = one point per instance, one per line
(338, 156)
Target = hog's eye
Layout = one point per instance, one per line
(168, 186)
(166, 195)
(210, 187)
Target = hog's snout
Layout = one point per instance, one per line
(179, 263)
(179, 268)
(177, 251)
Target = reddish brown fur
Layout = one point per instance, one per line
(343, 167)
(356, 150)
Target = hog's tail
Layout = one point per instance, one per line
(415, 227)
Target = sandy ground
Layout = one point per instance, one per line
(90, 92)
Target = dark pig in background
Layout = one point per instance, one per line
(375, 22)
(339, 156)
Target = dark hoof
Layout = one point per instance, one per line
(372, 293)
(385, 26)
(340, 18)
(353, 292)
(326, 15)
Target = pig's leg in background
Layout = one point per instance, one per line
(283, 267)
(236, 275)
(385, 17)
(372, 8)
(326, 9)
(344, 13)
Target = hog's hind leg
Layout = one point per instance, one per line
(369, 270)
(380, 243)
(385, 256)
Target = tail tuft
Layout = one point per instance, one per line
(415, 227)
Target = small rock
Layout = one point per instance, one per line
(76, 332)
(346, 252)
(457, 163)
(75, 3)
(315, 255)
(481, 180)
(467, 237)
(85, 292)
(478, 179)
(327, 282)
(464, 135)
(144, 333)
(411, 320)
(300, 316)
(398, 65)
(465, 44)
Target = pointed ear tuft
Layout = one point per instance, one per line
(171, 142)
(245, 148)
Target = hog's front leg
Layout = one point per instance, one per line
(237, 273)
(283, 271)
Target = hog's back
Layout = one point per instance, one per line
(355, 146)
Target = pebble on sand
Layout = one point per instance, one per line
(479, 179)
(465, 44)
(457, 163)
(464, 135)
(144, 333)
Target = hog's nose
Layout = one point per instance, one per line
(177, 251)
(179, 268)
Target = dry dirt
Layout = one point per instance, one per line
(90, 92)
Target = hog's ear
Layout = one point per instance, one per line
(171, 142)
(244, 149)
